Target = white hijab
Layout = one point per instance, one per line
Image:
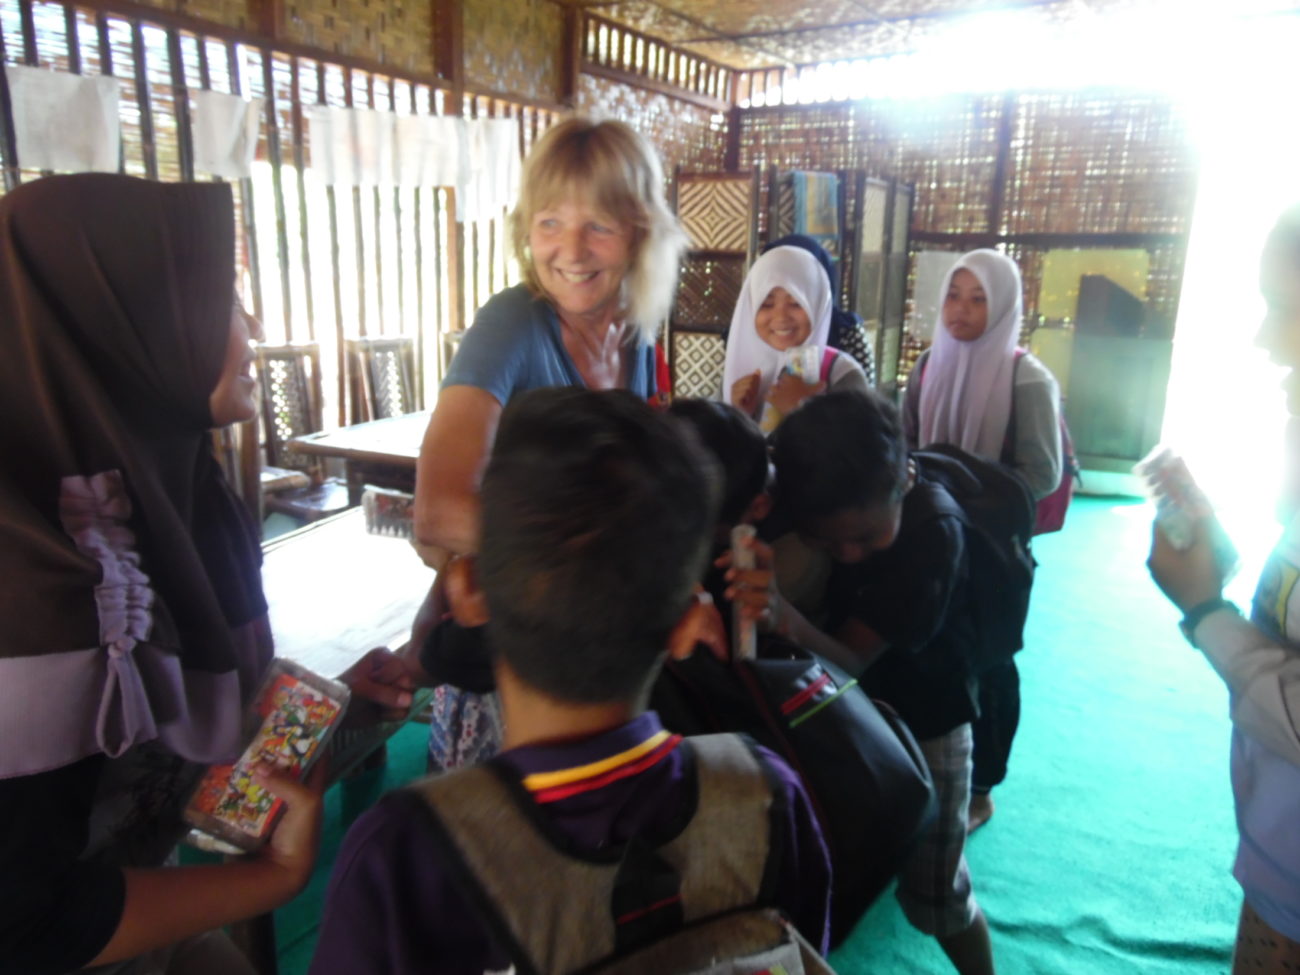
(966, 389)
(798, 272)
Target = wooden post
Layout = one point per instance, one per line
(571, 56)
(449, 64)
(449, 46)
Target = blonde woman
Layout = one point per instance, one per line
(599, 248)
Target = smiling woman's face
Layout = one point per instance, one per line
(234, 398)
(580, 256)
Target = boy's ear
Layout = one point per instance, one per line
(468, 603)
(701, 623)
(758, 509)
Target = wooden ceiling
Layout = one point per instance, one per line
(774, 33)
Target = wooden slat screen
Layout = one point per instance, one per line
(317, 264)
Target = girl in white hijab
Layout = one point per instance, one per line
(969, 384)
(970, 389)
(785, 304)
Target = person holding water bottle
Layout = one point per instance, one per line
(1258, 659)
(777, 355)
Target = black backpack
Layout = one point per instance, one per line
(864, 774)
(997, 512)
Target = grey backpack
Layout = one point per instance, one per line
(700, 903)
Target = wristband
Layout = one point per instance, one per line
(1193, 617)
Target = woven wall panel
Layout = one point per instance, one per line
(1079, 163)
(707, 292)
(1100, 165)
(514, 47)
(228, 13)
(716, 212)
(397, 33)
(697, 363)
(684, 134)
(947, 146)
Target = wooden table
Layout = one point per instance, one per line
(380, 452)
(335, 592)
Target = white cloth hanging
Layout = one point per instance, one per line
(225, 133)
(351, 146)
(362, 147)
(495, 169)
(65, 122)
(430, 150)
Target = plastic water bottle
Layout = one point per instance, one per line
(744, 634)
(804, 361)
(1181, 506)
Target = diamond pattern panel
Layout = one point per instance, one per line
(716, 212)
(697, 364)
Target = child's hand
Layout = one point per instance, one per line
(753, 590)
(744, 393)
(293, 845)
(382, 688)
(789, 391)
(714, 630)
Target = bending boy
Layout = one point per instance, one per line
(899, 616)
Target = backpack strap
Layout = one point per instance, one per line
(556, 908)
(829, 356)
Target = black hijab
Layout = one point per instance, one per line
(117, 528)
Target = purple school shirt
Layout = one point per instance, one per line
(390, 908)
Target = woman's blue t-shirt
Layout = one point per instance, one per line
(515, 345)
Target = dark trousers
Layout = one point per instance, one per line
(995, 728)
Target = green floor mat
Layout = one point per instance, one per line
(1113, 839)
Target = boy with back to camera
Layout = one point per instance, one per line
(597, 518)
(899, 615)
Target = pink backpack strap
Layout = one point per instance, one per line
(829, 356)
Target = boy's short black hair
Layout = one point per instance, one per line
(597, 517)
(739, 446)
(837, 451)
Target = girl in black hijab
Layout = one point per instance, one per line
(133, 627)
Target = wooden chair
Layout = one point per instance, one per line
(383, 377)
(293, 483)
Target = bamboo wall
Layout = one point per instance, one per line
(1031, 171)
(686, 135)
(514, 47)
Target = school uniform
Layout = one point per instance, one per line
(394, 907)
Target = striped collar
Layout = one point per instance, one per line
(555, 772)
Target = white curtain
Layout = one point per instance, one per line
(225, 133)
(65, 122)
(479, 157)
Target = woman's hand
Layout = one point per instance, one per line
(744, 393)
(1188, 577)
(293, 845)
(754, 590)
(789, 391)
